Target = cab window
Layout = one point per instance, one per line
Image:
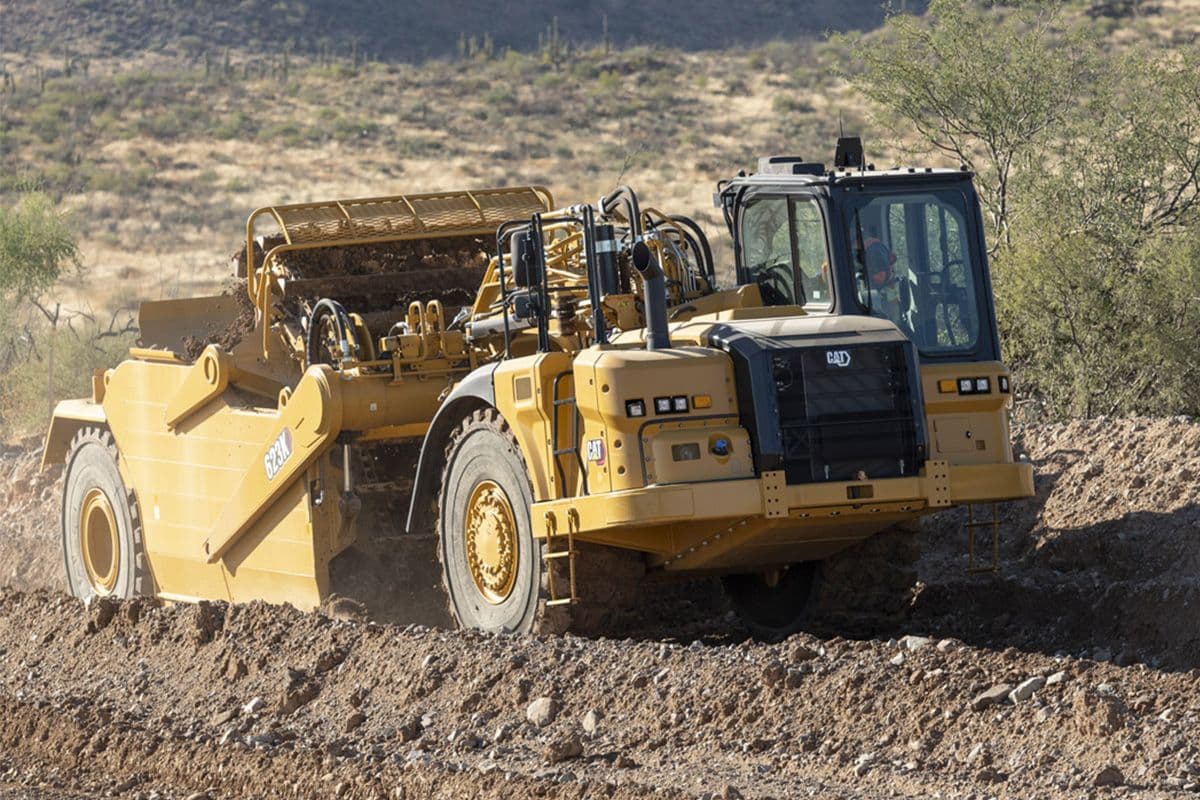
(812, 258)
(784, 251)
(913, 265)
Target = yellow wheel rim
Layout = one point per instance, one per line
(492, 543)
(99, 542)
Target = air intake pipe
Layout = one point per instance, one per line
(654, 285)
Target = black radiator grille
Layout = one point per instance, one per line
(846, 413)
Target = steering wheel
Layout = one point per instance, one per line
(768, 279)
(943, 293)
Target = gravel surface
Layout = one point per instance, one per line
(1072, 673)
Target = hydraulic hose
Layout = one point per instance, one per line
(624, 194)
(704, 250)
(327, 307)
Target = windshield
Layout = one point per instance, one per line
(784, 251)
(913, 265)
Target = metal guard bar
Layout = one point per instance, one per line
(338, 223)
(341, 223)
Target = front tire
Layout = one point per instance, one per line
(101, 527)
(491, 563)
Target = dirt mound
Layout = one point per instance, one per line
(1104, 470)
(1072, 670)
(233, 700)
(30, 504)
(1104, 561)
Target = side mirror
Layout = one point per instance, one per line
(523, 260)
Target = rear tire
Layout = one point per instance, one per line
(101, 527)
(777, 609)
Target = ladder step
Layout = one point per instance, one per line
(971, 525)
(563, 554)
(565, 601)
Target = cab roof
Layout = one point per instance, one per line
(849, 176)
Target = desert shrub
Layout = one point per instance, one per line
(784, 103)
(53, 363)
(128, 181)
(35, 247)
(235, 125)
(417, 146)
(1091, 192)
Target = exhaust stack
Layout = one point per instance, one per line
(655, 284)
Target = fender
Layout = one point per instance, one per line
(69, 417)
(477, 390)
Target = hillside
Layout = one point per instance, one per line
(413, 31)
(158, 154)
(161, 163)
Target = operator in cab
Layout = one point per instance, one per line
(877, 263)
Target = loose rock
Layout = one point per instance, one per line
(1026, 689)
(991, 697)
(564, 749)
(915, 642)
(800, 652)
(542, 711)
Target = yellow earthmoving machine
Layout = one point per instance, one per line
(559, 400)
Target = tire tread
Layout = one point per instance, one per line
(91, 435)
(607, 578)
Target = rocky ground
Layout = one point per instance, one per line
(1074, 672)
(29, 519)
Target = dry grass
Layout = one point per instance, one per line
(159, 193)
(161, 165)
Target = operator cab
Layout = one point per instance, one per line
(905, 245)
